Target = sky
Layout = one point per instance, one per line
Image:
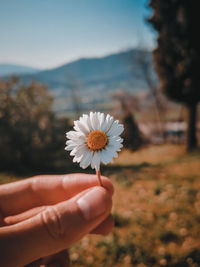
(49, 33)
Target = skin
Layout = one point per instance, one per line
(40, 217)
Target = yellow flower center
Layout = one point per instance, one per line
(97, 140)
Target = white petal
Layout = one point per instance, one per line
(118, 130)
(85, 162)
(70, 147)
(115, 140)
(78, 141)
(91, 120)
(73, 152)
(113, 128)
(115, 145)
(101, 120)
(81, 150)
(71, 134)
(118, 147)
(104, 124)
(94, 121)
(81, 126)
(106, 156)
(104, 159)
(115, 155)
(95, 163)
(70, 142)
(107, 123)
(77, 159)
(76, 128)
(84, 121)
(76, 135)
(112, 150)
(85, 116)
(98, 117)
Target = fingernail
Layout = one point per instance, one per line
(93, 203)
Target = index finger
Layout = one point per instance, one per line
(42, 190)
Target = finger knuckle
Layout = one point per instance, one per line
(52, 222)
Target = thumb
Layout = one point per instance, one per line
(55, 228)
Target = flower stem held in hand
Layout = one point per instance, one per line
(99, 177)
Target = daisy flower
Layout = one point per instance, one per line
(96, 139)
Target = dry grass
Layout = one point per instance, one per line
(156, 209)
(157, 212)
(151, 155)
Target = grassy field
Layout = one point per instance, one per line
(156, 210)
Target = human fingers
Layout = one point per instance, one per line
(60, 259)
(103, 229)
(54, 229)
(37, 263)
(13, 219)
(44, 190)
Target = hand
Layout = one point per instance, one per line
(42, 216)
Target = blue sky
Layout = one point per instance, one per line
(48, 33)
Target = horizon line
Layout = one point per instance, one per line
(75, 59)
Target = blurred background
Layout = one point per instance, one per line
(137, 60)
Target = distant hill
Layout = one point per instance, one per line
(92, 80)
(114, 70)
(10, 69)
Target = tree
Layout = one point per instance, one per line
(133, 138)
(31, 136)
(177, 55)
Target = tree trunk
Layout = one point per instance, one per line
(191, 132)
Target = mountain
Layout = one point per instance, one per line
(11, 69)
(91, 81)
(111, 70)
